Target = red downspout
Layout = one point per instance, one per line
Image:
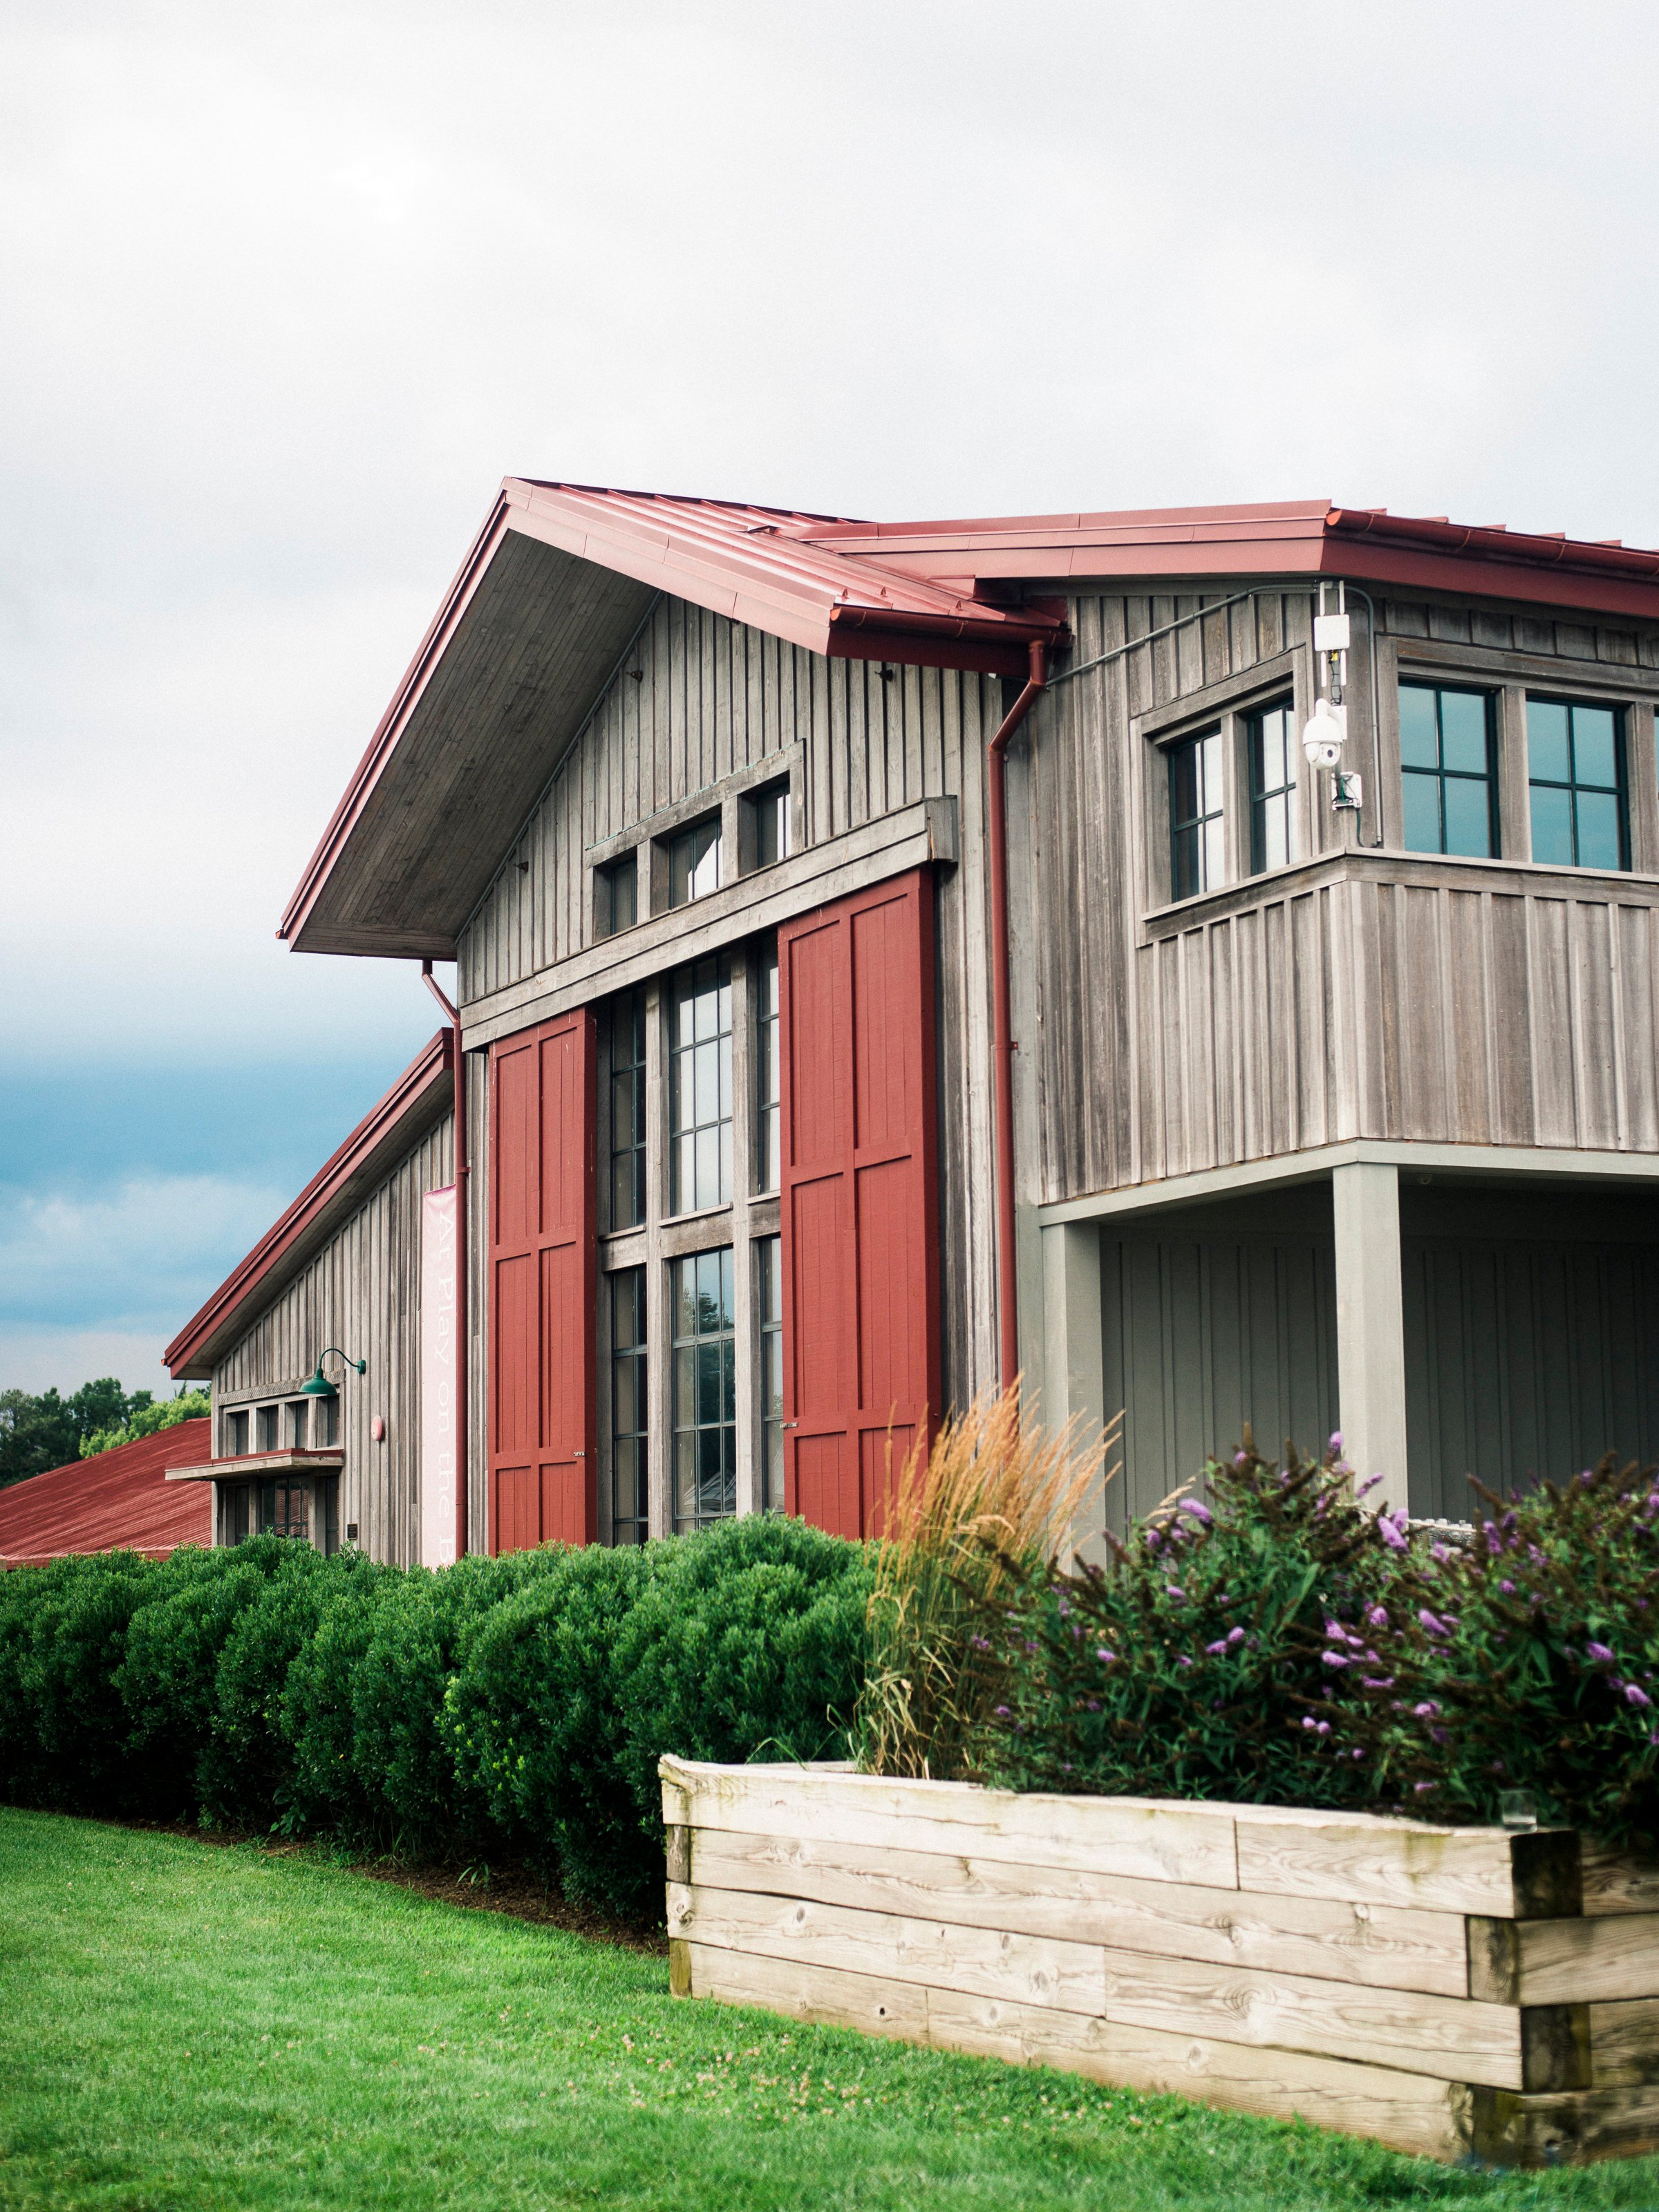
(1002, 1042)
(463, 1454)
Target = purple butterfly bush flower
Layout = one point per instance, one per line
(1599, 1651)
(1198, 1512)
(1335, 1443)
(1636, 1696)
(1105, 1656)
(1391, 1528)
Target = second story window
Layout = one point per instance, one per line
(1272, 738)
(700, 1086)
(1447, 783)
(1574, 766)
(769, 1155)
(1197, 842)
(694, 862)
(628, 1109)
(618, 894)
(236, 1434)
(770, 809)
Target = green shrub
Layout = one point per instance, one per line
(1526, 1660)
(168, 1676)
(748, 1642)
(245, 1767)
(536, 1726)
(404, 1748)
(1190, 1666)
(79, 1614)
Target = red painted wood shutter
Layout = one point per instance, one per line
(859, 1197)
(542, 1265)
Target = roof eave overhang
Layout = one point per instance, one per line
(415, 1103)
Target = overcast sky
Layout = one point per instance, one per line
(286, 291)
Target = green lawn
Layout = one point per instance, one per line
(185, 2026)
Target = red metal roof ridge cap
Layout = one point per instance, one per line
(690, 499)
(1069, 526)
(712, 552)
(430, 1064)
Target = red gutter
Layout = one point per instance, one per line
(463, 1439)
(1002, 1042)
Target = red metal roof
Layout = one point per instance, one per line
(948, 593)
(117, 1501)
(1295, 538)
(379, 1139)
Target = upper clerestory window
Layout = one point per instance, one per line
(1576, 768)
(1448, 785)
(693, 860)
(1198, 850)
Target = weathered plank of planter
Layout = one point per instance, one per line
(1444, 1989)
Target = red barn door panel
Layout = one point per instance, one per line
(543, 1260)
(859, 1199)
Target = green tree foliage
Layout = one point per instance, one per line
(38, 1432)
(145, 1417)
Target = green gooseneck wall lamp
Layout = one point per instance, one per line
(320, 1386)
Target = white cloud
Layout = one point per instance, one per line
(284, 292)
(134, 1259)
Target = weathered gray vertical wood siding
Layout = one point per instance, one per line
(1388, 997)
(361, 1292)
(713, 697)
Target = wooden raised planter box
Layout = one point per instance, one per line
(1446, 1991)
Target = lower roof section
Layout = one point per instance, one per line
(117, 1501)
(419, 1099)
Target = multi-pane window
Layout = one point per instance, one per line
(1271, 739)
(629, 1403)
(298, 1424)
(1197, 846)
(694, 862)
(1448, 785)
(232, 1512)
(285, 1509)
(700, 1086)
(628, 1109)
(1575, 764)
(328, 1513)
(267, 1426)
(618, 894)
(771, 813)
(768, 1156)
(705, 1389)
(768, 1259)
(236, 1434)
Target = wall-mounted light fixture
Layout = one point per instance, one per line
(320, 1386)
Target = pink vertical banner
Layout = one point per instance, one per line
(438, 1438)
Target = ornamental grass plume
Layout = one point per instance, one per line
(995, 1499)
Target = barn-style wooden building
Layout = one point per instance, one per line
(891, 956)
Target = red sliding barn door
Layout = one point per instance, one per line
(542, 1257)
(859, 1213)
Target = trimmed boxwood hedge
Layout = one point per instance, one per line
(514, 1705)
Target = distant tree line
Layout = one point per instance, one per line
(48, 1431)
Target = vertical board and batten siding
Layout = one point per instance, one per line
(362, 1292)
(713, 697)
(1378, 1003)
(860, 1201)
